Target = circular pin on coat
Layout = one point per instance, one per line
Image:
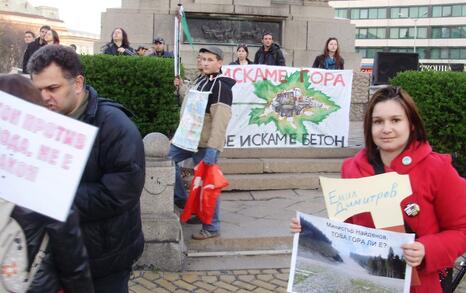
(406, 160)
(412, 209)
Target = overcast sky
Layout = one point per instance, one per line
(83, 15)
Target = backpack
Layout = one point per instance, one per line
(15, 276)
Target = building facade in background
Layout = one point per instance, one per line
(435, 29)
(18, 16)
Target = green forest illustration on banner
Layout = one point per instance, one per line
(290, 103)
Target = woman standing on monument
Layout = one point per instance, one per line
(396, 141)
(119, 44)
(331, 58)
(242, 54)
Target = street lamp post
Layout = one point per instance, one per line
(415, 33)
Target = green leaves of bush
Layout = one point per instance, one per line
(441, 99)
(144, 85)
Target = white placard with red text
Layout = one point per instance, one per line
(42, 156)
(275, 106)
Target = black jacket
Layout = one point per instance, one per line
(112, 49)
(108, 194)
(66, 264)
(319, 62)
(32, 47)
(164, 54)
(273, 56)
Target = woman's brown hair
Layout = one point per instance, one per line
(21, 87)
(418, 132)
(337, 52)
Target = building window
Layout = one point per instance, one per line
(422, 32)
(362, 33)
(454, 53)
(368, 52)
(456, 32)
(414, 12)
(404, 33)
(444, 53)
(446, 11)
(456, 10)
(463, 53)
(342, 13)
(445, 32)
(423, 12)
(421, 52)
(354, 13)
(373, 14)
(436, 33)
(382, 12)
(362, 52)
(381, 33)
(363, 13)
(435, 53)
(464, 10)
(437, 11)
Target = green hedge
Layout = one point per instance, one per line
(144, 85)
(441, 98)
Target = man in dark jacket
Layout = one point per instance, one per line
(108, 195)
(158, 49)
(66, 263)
(34, 46)
(270, 52)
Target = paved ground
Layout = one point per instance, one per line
(241, 281)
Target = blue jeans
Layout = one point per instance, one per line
(177, 155)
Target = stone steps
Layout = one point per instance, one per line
(279, 165)
(290, 152)
(275, 181)
(254, 230)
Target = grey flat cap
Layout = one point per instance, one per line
(214, 50)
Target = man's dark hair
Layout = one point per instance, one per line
(31, 33)
(64, 57)
(47, 27)
(267, 34)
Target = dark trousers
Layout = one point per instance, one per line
(114, 283)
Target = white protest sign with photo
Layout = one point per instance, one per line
(42, 156)
(330, 256)
(277, 106)
(380, 195)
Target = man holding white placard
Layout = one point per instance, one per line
(108, 195)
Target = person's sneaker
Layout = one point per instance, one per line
(204, 234)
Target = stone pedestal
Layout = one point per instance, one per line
(164, 248)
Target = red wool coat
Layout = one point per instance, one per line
(441, 194)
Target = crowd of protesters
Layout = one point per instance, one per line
(269, 53)
(95, 248)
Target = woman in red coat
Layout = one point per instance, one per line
(436, 210)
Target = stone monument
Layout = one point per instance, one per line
(300, 27)
(164, 246)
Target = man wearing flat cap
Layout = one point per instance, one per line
(213, 90)
(158, 50)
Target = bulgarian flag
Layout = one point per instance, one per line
(185, 27)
